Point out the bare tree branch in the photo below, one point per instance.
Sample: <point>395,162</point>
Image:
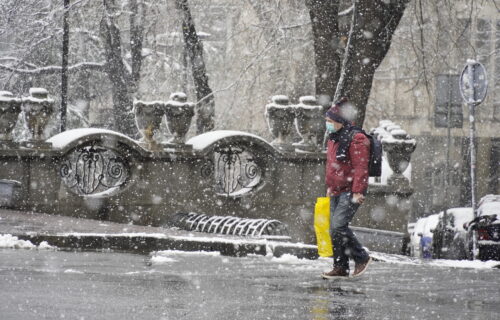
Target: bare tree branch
<point>82,66</point>
<point>137,12</point>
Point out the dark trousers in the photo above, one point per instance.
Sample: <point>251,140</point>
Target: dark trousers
<point>345,244</point>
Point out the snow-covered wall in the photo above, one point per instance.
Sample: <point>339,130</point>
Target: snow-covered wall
<point>101,174</point>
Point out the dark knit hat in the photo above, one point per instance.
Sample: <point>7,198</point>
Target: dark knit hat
<point>336,111</point>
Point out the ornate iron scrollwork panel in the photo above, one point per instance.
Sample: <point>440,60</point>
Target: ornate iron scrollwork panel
<point>235,170</point>
<point>93,170</point>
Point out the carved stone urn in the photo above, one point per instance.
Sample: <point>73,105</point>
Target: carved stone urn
<point>398,146</point>
<point>10,108</point>
<point>37,110</point>
<point>148,117</point>
<point>280,116</point>
<point>179,114</point>
<point>310,124</point>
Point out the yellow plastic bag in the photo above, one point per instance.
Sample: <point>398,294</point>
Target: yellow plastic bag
<point>322,226</point>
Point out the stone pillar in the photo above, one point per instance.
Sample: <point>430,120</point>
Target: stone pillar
<point>310,124</point>
<point>398,147</point>
<point>280,116</point>
<point>179,114</point>
<point>37,110</point>
<point>148,116</point>
<point>388,203</point>
<point>10,107</point>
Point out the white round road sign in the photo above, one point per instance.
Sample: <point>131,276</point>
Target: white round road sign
<point>474,82</point>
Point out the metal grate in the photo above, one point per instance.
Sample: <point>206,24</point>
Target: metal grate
<point>93,170</point>
<point>229,225</point>
<point>235,169</point>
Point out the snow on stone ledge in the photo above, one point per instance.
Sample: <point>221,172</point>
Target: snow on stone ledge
<point>7,96</point>
<point>280,98</point>
<point>178,95</point>
<point>106,235</point>
<point>38,91</point>
<point>204,140</point>
<point>149,103</point>
<point>13,242</point>
<point>389,132</point>
<point>64,139</point>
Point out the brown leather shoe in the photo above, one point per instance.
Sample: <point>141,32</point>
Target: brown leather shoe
<point>335,273</point>
<point>360,268</point>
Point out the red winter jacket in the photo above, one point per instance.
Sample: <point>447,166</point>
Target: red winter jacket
<point>351,175</point>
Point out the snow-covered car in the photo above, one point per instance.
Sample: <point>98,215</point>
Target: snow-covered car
<point>450,236</point>
<point>421,236</point>
<point>487,225</point>
<point>440,235</point>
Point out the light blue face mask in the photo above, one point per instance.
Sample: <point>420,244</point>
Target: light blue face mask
<point>330,127</point>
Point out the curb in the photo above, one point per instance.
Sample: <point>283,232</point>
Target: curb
<point>143,244</point>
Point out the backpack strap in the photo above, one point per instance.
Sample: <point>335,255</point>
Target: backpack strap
<point>354,132</point>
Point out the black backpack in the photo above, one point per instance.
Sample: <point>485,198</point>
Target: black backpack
<point>375,164</point>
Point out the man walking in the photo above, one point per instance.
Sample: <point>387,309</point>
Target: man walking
<point>348,156</point>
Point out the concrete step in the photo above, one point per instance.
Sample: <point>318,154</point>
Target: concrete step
<point>86,234</point>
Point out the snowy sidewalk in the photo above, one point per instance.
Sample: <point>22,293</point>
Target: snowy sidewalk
<point>86,234</point>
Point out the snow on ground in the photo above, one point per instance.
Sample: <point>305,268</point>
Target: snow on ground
<point>13,242</point>
<point>168,256</point>
<point>187,253</point>
<point>442,263</point>
<point>165,256</point>
<point>397,259</point>
<point>73,271</point>
<point>161,260</point>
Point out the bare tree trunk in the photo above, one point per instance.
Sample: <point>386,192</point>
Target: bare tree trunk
<point>64,66</point>
<point>327,47</point>
<point>82,83</point>
<point>137,12</point>
<point>373,24</point>
<point>206,104</point>
<point>123,83</point>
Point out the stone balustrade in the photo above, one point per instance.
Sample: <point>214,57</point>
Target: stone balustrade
<point>280,116</point>
<point>98,173</point>
<point>307,117</point>
<point>398,147</point>
<point>10,108</point>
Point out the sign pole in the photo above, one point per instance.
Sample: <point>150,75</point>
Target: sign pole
<point>474,88</point>
<point>447,171</point>
<point>472,130</point>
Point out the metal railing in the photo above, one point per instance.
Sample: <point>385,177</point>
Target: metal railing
<point>230,225</point>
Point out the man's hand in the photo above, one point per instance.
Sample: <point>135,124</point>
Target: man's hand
<point>358,198</point>
<point>328,192</point>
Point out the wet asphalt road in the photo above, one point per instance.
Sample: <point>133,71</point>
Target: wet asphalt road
<point>82,285</point>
